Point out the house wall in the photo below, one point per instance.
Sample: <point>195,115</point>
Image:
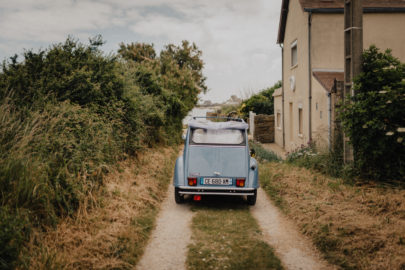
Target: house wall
<point>382,29</point>
<point>296,30</point>
<point>320,110</point>
<point>385,30</point>
<point>278,122</point>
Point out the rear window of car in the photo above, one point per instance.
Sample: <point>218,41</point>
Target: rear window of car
<point>217,136</point>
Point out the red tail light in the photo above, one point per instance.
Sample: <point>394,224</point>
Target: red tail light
<point>192,181</point>
<point>240,182</point>
<point>197,198</point>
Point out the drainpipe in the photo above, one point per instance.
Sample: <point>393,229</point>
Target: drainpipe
<point>282,91</point>
<point>309,76</point>
<point>329,120</point>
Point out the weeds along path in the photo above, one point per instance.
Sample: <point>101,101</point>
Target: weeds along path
<point>167,248</point>
<point>113,233</point>
<point>290,246</point>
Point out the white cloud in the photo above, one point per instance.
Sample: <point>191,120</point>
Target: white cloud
<point>237,37</point>
<point>54,21</point>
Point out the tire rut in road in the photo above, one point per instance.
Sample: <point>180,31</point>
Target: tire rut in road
<point>167,248</point>
<point>292,248</point>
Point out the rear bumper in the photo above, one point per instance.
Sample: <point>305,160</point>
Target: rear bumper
<point>227,191</point>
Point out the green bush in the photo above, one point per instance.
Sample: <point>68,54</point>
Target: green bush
<point>66,71</point>
<point>14,232</point>
<point>260,103</point>
<point>374,120</point>
<point>68,113</point>
<point>166,88</point>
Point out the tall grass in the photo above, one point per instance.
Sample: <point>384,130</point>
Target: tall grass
<point>49,162</point>
<point>327,161</point>
<point>262,153</point>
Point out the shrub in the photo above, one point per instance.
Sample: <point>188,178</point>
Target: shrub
<point>66,71</point>
<point>374,120</point>
<point>14,232</point>
<point>165,88</point>
<point>69,112</point>
<point>260,103</point>
<point>327,162</point>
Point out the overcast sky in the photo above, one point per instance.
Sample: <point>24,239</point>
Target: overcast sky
<point>237,37</point>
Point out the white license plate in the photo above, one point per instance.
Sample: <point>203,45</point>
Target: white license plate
<point>217,181</point>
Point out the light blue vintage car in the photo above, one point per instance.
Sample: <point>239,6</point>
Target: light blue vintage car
<point>216,161</point>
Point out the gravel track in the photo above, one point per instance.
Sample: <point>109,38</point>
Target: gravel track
<point>167,248</point>
<point>293,249</point>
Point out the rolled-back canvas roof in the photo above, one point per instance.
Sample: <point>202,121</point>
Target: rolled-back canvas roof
<point>206,124</point>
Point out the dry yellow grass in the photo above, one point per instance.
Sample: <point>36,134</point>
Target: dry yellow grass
<point>356,227</point>
<point>113,234</point>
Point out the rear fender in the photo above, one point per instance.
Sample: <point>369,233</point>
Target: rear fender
<point>253,173</point>
<point>178,178</point>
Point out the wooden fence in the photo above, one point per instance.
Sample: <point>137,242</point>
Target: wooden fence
<point>264,128</point>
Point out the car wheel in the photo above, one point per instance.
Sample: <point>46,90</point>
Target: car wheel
<point>177,197</point>
<point>251,199</point>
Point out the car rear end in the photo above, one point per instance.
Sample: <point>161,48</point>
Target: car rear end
<point>217,162</point>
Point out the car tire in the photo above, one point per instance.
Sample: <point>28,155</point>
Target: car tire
<point>251,199</point>
<point>177,197</point>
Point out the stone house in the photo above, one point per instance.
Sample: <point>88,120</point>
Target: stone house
<point>311,37</point>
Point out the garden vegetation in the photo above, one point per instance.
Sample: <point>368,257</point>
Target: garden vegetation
<point>373,119</point>
<point>69,113</point>
<point>260,103</point>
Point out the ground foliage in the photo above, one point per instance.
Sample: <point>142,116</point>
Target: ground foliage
<point>226,236</point>
<point>356,226</point>
<point>328,162</point>
<point>260,103</point>
<point>262,154</point>
<point>68,113</point>
<point>375,118</point>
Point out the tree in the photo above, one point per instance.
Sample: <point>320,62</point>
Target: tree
<point>260,103</point>
<point>137,52</point>
<point>171,81</point>
<point>66,71</point>
<point>374,120</point>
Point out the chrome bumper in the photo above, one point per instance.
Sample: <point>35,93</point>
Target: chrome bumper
<point>232,191</point>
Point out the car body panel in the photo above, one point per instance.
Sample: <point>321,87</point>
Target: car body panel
<point>220,161</point>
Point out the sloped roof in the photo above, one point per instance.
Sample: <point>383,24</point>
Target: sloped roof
<point>278,92</point>
<point>337,6</point>
<point>327,78</point>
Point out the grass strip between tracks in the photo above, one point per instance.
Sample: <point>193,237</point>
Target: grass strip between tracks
<point>226,236</point>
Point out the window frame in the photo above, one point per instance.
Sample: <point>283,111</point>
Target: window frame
<point>300,121</point>
<point>294,49</point>
<point>243,143</point>
<point>278,120</point>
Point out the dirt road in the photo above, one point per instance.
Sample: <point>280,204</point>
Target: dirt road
<point>290,246</point>
<point>167,249</point>
<point>168,246</point>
